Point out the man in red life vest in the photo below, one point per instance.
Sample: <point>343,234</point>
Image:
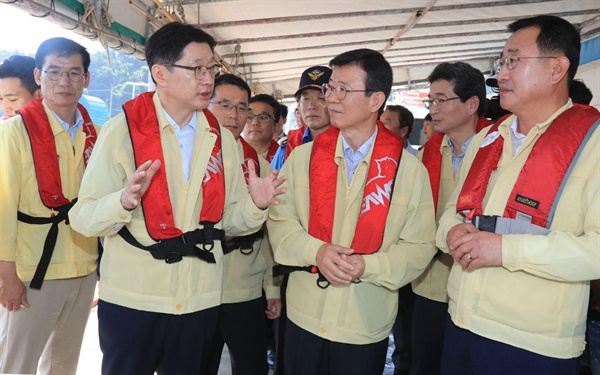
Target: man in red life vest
<point>47,276</point>
<point>165,188</point>
<point>455,123</point>
<point>312,110</point>
<point>248,268</point>
<point>522,224</point>
<point>263,116</point>
<point>356,224</point>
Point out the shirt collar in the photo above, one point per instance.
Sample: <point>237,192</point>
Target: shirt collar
<point>66,126</point>
<point>362,150</point>
<point>463,147</point>
<point>191,123</point>
<point>306,137</point>
<point>512,121</point>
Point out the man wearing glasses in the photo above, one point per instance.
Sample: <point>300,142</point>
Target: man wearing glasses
<point>263,116</point>
<point>248,267</point>
<point>47,276</point>
<point>522,224</point>
<point>356,224</point>
<point>165,188</point>
<point>456,103</point>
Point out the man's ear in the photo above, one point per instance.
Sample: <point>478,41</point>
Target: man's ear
<point>403,132</point>
<point>158,73</point>
<point>37,74</point>
<point>376,101</point>
<point>473,103</point>
<point>560,68</point>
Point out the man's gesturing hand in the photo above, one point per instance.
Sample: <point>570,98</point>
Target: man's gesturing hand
<point>138,184</point>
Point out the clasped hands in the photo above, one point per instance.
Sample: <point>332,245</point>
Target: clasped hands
<point>474,249</point>
<point>339,265</point>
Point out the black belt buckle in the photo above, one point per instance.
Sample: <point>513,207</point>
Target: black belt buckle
<point>173,258</point>
<point>487,223</point>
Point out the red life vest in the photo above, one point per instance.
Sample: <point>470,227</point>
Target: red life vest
<point>294,139</point>
<point>377,195</point>
<point>47,173</point>
<point>432,159</point>
<point>272,150</point>
<point>250,156</point>
<point>145,138</point>
<point>535,191</point>
<point>43,148</point>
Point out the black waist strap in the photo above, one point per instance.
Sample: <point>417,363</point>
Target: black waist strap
<point>62,214</point>
<point>174,249</point>
<point>244,243</point>
<point>280,270</point>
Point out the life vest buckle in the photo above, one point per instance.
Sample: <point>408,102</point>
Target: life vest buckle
<point>173,258</point>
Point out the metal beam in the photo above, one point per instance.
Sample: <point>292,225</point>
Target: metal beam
<point>380,28</point>
<point>381,12</point>
<point>420,47</point>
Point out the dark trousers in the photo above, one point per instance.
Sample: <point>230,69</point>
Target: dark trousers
<point>401,357</point>
<point>427,336</point>
<point>468,353</point>
<point>306,353</point>
<point>279,327</point>
<point>142,342</point>
<point>242,326</point>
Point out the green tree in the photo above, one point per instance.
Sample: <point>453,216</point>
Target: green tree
<point>110,82</point>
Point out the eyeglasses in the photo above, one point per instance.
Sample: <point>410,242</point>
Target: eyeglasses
<point>340,91</point>
<point>264,118</point>
<point>227,106</point>
<point>200,71</point>
<point>512,61</point>
<point>436,103</point>
<point>56,75</point>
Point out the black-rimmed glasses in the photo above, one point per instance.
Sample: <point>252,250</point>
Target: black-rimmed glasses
<point>227,106</point>
<point>200,71</point>
<point>437,103</point>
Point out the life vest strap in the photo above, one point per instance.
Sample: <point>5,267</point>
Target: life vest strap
<point>173,250</point>
<point>62,214</point>
<point>521,224</point>
<point>322,282</point>
<point>244,243</point>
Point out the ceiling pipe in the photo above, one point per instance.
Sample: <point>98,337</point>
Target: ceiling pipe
<point>114,41</point>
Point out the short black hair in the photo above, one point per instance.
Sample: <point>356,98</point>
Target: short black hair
<point>21,67</point>
<point>467,81</point>
<point>232,80</point>
<point>166,45</point>
<point>378,69</point>
<point>428,117</point>
<point>61,47</point>
<point>284,110</point>
<point>405,116</point>
<point>557,36</point>
<point>580,93</point>
<point>268,99</point>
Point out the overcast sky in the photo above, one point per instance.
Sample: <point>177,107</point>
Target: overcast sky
<point>22,32</point>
